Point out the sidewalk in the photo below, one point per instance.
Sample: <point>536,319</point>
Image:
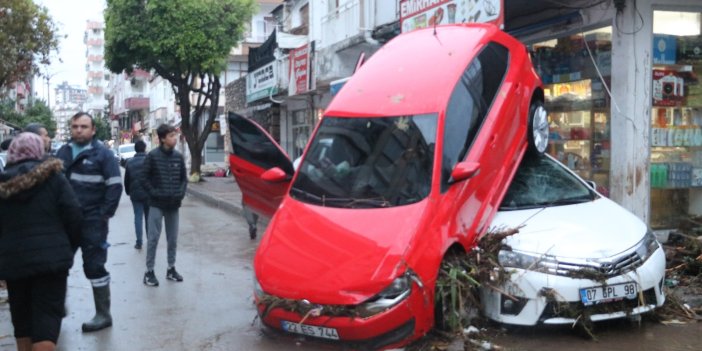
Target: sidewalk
<point>220,192</point>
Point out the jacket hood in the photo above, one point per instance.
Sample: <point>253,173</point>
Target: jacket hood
<point>19,180</point>
<point>335,255</point>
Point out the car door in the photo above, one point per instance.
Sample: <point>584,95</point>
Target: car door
<point>253,152</point>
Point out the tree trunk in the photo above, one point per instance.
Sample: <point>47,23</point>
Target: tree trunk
<point>195,158</point>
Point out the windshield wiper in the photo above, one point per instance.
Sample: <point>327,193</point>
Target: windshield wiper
<point>307,195</point>
<point>570,201</point>
<point>348,202</point>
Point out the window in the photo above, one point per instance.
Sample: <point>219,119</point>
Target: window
<point>301,129</point>
<point>469,104</point>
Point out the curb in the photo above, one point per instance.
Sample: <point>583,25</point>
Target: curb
<point>214,201</point>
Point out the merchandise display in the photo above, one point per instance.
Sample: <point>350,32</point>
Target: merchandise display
<point>577,101</point>
<point>676,130</point>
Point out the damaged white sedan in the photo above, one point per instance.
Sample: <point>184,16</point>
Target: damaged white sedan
<point>578,256</point>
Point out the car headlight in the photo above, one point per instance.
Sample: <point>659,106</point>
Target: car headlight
<point>647,246</point>
<point>515,259</point>
<point>393,294</point>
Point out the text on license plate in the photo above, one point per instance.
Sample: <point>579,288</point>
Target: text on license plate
<point>606,293</point>
<point>311,330</point>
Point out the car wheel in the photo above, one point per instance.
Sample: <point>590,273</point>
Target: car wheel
<point>538,127</point>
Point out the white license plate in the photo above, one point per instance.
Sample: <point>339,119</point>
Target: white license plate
<point>608,293</point>
<point>311,330</point>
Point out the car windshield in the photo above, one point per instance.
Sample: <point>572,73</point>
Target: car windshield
<point>542,182</point>
<point>126,148</point>
<point>368,162</point>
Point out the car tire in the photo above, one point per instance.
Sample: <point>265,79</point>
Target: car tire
<point>538,129</point>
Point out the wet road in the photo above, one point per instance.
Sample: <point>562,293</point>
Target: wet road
<point>213,310</point>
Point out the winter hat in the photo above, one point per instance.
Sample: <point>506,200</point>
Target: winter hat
<point>25,146</point>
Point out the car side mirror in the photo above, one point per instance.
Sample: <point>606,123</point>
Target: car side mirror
<point>274,175</point>
<point>464,170</point>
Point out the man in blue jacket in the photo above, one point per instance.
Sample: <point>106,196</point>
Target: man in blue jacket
<point>94,175</point>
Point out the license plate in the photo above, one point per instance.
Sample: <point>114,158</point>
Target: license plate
<point>608,293</point>
<point>310,330</point>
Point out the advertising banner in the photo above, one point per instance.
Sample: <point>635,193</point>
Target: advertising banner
<point>261,83</point>
<point>415,14</point>
<point>299,70</point>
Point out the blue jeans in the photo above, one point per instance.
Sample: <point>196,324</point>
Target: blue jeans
<point>141,219</point>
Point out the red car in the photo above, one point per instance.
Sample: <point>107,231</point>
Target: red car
<point>408,165</point>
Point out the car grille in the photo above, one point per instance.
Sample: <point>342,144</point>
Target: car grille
<point>605,268</point>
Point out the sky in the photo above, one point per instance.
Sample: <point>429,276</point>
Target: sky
<point>70,17</point>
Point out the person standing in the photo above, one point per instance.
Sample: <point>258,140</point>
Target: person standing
<point>135,189</point>
<point>94,174</point>
<point>165,181</point>
<point>40,223</point>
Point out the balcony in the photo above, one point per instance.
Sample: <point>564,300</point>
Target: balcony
<point>95,74</point>
<point>341,24</point>
<point>136,103</point>
<point>95,58</point>
<point>95,42</point>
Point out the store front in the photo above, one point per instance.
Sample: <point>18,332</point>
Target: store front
<point>574,69</point>
<point>676,118</point>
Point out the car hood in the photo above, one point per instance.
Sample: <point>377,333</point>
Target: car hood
<point>596,229</point>
<point>334,255</point>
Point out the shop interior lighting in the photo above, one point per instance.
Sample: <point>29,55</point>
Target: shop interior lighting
<point>677,23</point>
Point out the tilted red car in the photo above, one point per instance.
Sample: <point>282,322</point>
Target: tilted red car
<point>408,164</point>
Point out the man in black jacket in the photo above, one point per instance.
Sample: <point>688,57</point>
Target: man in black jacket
<point>165,181</point>
<point>94,175</point>
<point>135,189</point>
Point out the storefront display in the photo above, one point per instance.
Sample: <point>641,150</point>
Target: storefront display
<point>578,106</point>
<point>676,125</point>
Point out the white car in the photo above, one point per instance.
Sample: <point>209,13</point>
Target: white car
<point>125,151</point>
<point>577,253</point>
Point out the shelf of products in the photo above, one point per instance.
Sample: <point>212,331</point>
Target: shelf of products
<point>579,130</point>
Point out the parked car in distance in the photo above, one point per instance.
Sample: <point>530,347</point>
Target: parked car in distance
<point>125,152</point>
<point>577,255</point>
<point>409,163</point>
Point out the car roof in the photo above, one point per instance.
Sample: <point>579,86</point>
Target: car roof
<point>414,73</point>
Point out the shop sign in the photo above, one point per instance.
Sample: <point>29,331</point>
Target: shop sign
<point>664,49</point>
<point>689,48</point>
<point>261,83</point>
<point>299,70</point>
<point>668,88</point>
<point>415,14</point>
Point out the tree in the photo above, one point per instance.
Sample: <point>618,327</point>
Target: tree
<point>27,37</point>
<point>102,127</point>
<point>39,112</point>
<point>187,42</point>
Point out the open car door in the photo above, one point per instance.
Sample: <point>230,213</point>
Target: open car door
<point>255,152</point>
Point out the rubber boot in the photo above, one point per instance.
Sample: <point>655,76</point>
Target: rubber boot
<point>102,318</point>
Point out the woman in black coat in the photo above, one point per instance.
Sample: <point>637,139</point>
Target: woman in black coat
<point>39,231</point>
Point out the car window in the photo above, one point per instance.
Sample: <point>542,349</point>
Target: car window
<point>253,145</point>
<point>126,148</point>
<point>368,162</point>
<point>541,181</point>
<point>469,104</point>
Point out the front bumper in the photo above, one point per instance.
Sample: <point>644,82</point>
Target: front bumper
<point>394,327</point>
<point>552,299</point>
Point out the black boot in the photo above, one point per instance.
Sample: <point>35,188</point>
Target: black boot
<point>102,318</point>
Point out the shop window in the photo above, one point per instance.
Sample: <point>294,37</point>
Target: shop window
<point>676,119</point>
<point>575,70</point>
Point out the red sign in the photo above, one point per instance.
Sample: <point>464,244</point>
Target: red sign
<point>668,88</point>
<point>299,70</point>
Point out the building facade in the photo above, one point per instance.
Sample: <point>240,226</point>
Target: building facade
<point>97,75</point>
